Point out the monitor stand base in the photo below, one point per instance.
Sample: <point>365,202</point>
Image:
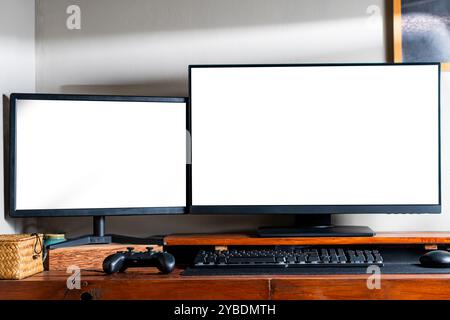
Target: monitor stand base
<point>315,226</point>
<point>99,237</point>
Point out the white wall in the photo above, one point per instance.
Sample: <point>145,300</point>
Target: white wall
<point>144,47</point>
<point>17,68</point>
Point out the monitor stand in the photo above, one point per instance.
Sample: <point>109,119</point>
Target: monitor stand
<point>317,225</point>
<point>99,237</point>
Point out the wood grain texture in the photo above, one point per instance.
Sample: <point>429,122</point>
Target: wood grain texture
<point>144,284</point>
<point>136,284</point>
<point>382,238</point>
<point>86,257</point>
<point>393,287</point>
<point>397,10</point>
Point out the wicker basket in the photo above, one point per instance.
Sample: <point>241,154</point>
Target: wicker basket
<point>20,255</point>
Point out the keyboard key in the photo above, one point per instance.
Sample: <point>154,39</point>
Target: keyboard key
<point>290,259</point>
<point>199,259</point>
<point>222,259</point>
<point>260,259</point>
<point>378,258</point>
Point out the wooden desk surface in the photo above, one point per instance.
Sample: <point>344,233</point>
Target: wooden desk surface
<point>381,238</point>
<point>145,284</point>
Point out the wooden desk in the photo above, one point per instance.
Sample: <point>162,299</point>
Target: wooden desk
<point>249,239</point>
<point>146,283</point>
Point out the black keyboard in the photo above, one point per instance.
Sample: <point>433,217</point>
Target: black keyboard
<point>290,257</point>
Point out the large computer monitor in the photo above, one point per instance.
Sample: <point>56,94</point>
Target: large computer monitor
<point>78,155</point>
<point>315,140</point>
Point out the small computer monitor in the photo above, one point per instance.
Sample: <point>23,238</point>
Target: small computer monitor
<point>73,155</point>
<point>315,139</point>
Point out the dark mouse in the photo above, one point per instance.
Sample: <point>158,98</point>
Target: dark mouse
<point>436,259</point>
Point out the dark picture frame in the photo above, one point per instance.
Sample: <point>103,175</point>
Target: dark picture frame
<point>422,31</point>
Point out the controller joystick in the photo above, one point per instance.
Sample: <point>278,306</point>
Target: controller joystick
<point>122,260</point>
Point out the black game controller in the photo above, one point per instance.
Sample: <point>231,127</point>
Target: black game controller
<point>122,260</point>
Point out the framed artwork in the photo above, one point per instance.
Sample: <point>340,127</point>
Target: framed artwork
<point>422,31</point>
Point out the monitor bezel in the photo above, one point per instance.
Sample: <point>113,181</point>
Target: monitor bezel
<point>317,209</point>
<point>75,212</point>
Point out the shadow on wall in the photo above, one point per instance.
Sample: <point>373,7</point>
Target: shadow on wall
<point>144,47</point>
<point>140,16</point>
<point>142,226</point>
<point>176,87</point>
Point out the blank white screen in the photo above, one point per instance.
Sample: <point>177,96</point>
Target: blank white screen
<point>353,135</point>
<point>100,154</point>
